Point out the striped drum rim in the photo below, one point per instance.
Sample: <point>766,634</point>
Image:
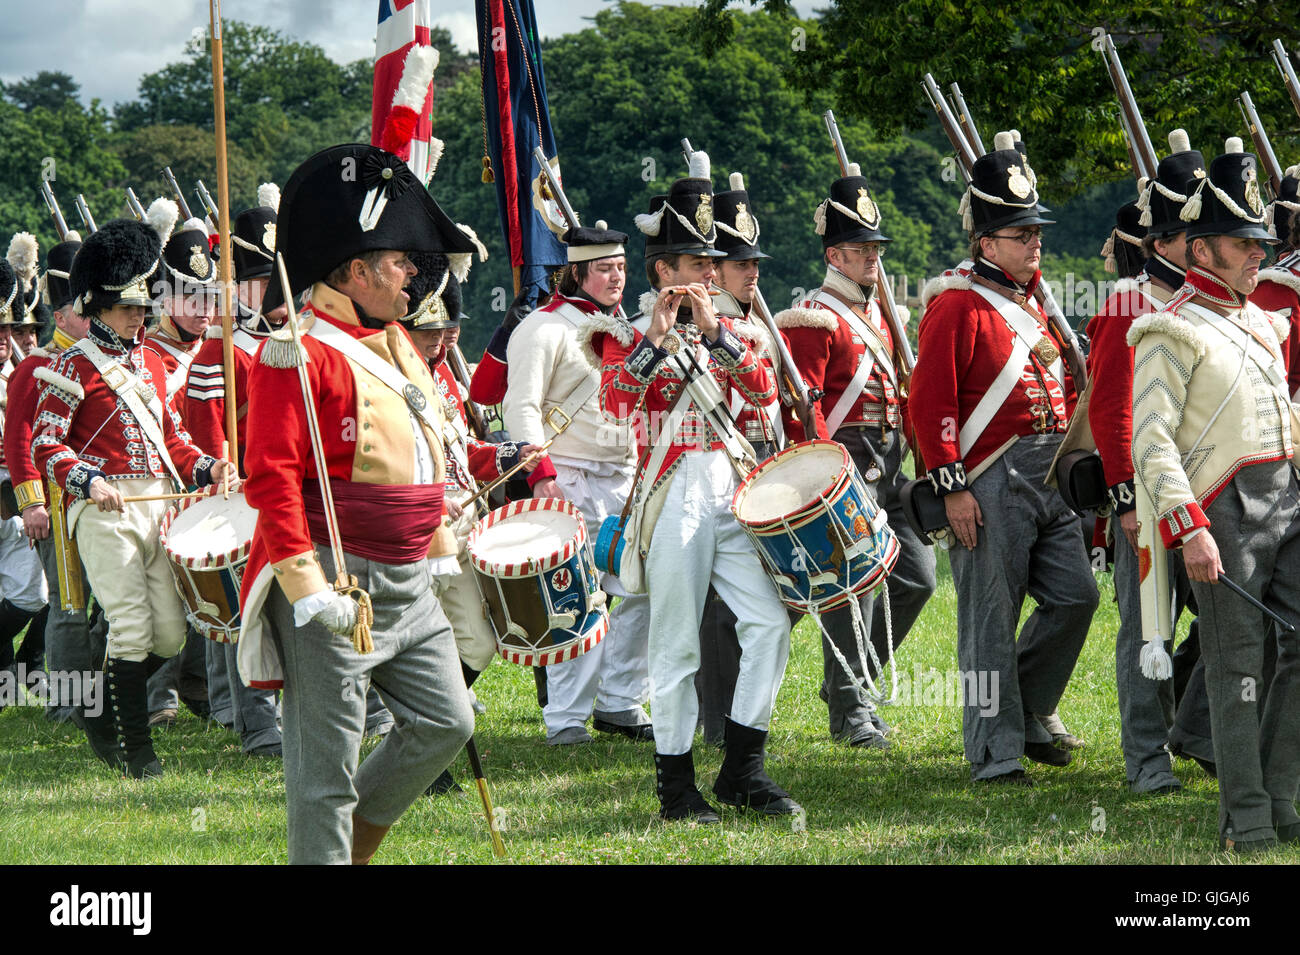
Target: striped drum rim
<point>532,566</point>
<point>561,654</point>
<point>813,507</point>
<point>208,561</point>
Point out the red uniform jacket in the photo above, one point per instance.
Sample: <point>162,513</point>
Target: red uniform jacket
<point>205,390</point>
<point>20,412</point>
<point>1279,291</point>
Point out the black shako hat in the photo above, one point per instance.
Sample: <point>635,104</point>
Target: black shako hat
<point>1003,190</point>
<point>850,214</point>
<point>187,262</point>
<point>1227,201</point>
<point>681,223</point>
<point>58,265</point>
<point>23,258</point>
<point>351,199</point>
<point>435,293</point>
<point>1161,199</point>
<point>588,245</point>
<point>1125,241</point>
<point>252,235</point>
<point>114,264</point>
<point>733,215</point>
<point>1283,209</point>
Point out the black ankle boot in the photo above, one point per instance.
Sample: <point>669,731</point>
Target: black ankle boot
<point>678,797</point>
<point>12,621</point>
<point>742,782</point>
<point>100,728</point>
<point>127,680</point>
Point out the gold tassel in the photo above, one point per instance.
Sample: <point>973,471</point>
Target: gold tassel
<point>487,170</point>
<point>362,641</point>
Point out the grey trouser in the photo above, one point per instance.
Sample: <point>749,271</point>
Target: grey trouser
<point>1030,544</point>
<point>910,584</point>
<point>70,645</point>
<point>1255,521</point>
<point>416,669</point>
<point>220,703</point>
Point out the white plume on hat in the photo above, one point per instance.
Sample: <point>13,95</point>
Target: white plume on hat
<point>23,256</point>
<point>1004,140</point>
<point>436,147</point>
<point>72,235</point>
<point>417,74</point>
<point>853,169</point>
<point>268,194</point>
<point>193,222</point>
<point>161,216</point>
<point>1179,141</point>
<point>460,262</point>
<point>1233,144</point>
<point>699,166</point>
<point>736,180</point>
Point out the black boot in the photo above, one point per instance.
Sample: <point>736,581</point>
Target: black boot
<point>678,797</point>
<point>127,680</point>
<point>100,728</point>
<point>12,621</point>
<point>741,781</point>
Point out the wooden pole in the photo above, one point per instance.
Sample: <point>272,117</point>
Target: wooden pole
<point>223,230</point>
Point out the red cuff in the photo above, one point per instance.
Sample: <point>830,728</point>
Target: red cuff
<point>545,469</point>
<point>1180,522</point>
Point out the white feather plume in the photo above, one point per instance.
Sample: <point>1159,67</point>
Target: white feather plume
<point>436,146</point>
<point>161,216</point>
<point>72,235</point>
<point>268,194</point>
<point>194,222</point>
<point>854,169</point>
<point>23,255</point>
<point>417,74</point>
<point>461,262</point>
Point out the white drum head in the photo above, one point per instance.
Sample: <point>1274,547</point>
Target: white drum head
<point>789,484</point>
<point>211,526</point>
<point>529,535</point>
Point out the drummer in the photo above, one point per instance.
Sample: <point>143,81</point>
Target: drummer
<point>696,541</point>
<point>846,353</point>
<point>101,440</point>
<point>434,310</point>
<point>551,379</point>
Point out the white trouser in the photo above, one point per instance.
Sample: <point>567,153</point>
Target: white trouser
<point>697,542</point>
<point>22,578</point>
<point>130,574</point>
<point>614,672</point>
<point>459,596</point>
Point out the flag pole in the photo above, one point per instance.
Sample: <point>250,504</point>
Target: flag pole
<point>223,231</point>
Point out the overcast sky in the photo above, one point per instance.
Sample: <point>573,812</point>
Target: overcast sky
<point>108,45</point>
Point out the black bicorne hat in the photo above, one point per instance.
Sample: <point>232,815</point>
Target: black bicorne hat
<point>850,214</point>
<point>1003,190</point>
<point>1283,209</point>
<point>114,264</point>
<point>435,293</point>
<point>1162,199</point>
<point>681,223</point>
<point>1227,201</point>
<point>737,225</point>
<point>588,245</point>
<point>58,265</point>
<point>253,233</point>
<point>351,199</point>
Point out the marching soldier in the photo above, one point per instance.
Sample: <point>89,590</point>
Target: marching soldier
<point>252,712</point>
<point>345,240</point>
<point>845,351</point>
<point>692,538</point>
<point>1213,444</point>
<point>997,399</point>
<point>594,470</point>
<point>1279,285</point>
<point>105,431</point>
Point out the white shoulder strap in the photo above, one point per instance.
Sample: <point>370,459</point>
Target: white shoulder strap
<point>1022,323</point>
<point>1267,362</point>
<point>995,397</point>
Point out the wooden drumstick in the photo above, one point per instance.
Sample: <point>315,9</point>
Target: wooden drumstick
<point>138,498</point>
<point>523,462</point>
<point>225,476</point>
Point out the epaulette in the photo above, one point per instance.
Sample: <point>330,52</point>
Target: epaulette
<point>602,324</point>
<point>1168,323</point>
<point>280,350</point>
<point>51,377</point>
<point>806,318</point>
<point>943,283</point>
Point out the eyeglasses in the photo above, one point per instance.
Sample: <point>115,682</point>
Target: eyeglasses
<point>1024,237</point>
<point>866,251</point>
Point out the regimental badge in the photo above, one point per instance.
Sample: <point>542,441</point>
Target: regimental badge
<point>704,215</point>
<point>414,396</point>
<point>1252,190</point>
<point>672,343</point>
<point>1046,350</point>
<point>268,237</point>
<point>1198,173</point>
<point>1018,182</point>
<point>199,265</point>
<point>745,224</point>
<point>561,580</point>
<point>867,210</point>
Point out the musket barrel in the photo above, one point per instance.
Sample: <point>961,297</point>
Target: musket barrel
<point>1119,79</point>
<point>1283,61</point>
<point>1262,145</point>
<point>60,224</point>
<point>133,201</point>
<point>967,122</point>
<point>556,190</point>
<point>180,195</point>
<point>83,210</point>
<point>963,148</point>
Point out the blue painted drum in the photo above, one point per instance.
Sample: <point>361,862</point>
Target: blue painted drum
<point>539,585</point>
<point>819,531</point>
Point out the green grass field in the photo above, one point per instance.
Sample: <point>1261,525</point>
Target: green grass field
<point>596,803</point>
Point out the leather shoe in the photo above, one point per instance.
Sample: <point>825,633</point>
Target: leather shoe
<point>1017,777</point>
<point>643,733</point>
<point>1049,754</point>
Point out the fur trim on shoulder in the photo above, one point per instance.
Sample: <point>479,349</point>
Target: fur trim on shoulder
<point>755,333</point>
<point>1127,286</point>
<point>1281,277</point>
<point>1170,324</point>
<point>602,324</point>
<point>807,318</point>
<point>214,331</point>
<point>942,283</point>
<point>646,303</point>
<point>1281,323</point>
<point>39,352</point>
<point>51,377</point>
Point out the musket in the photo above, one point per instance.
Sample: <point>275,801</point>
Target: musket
<point>1142,147</point>
<point>60,224</point>
<point>1262,146</point>
<point>964,117</point>
<point>460,371</point>
<point>1283,61</point>
<point>209,204</point>
<point>133,201</point>
<point>888,310</point>
<point>1140,171</point>
<point>83,210</point>
<point>1042,294</point>
<point>176,191</point>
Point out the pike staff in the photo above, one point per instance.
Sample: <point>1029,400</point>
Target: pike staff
<point>227,265</point>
